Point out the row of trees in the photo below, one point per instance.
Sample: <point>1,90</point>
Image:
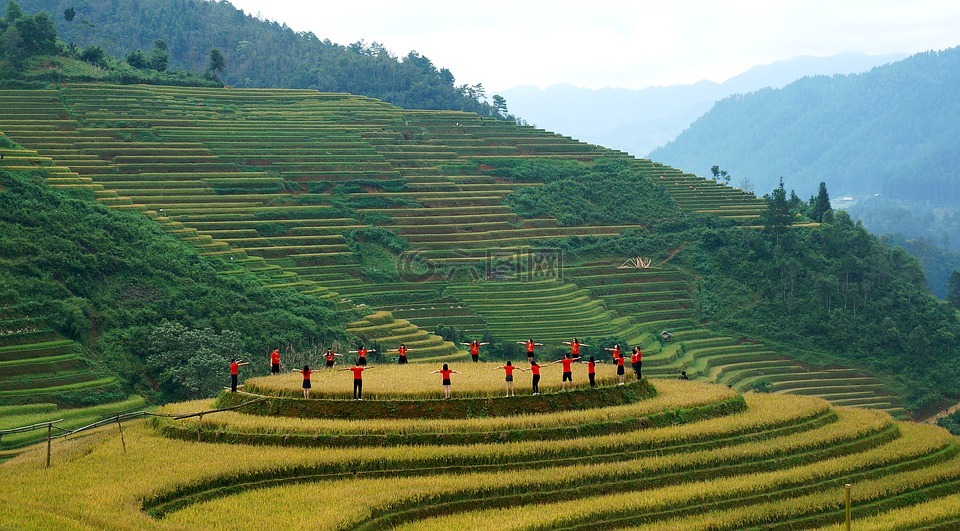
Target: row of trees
<point>23,36</point>
<point>259,53</point>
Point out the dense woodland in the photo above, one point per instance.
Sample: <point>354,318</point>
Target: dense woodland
<point>109,279</point>
<point>260,53</point>
<point>886,137</point>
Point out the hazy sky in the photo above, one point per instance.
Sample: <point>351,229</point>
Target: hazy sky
<point>629,44</point>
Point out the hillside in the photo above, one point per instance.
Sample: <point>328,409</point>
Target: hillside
<point>446,222</point>
<point>637,121</point>
<point>663,455</point>
<point>259,53</point>
<point>888,131</point>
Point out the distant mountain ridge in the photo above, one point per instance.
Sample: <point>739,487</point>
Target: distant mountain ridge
<point>637,121</point>
<point>891,131</point>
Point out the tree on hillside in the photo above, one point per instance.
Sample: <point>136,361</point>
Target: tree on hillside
<point>500,104</point>
<point>715,170</point>
<point>69,14</point>
<point>777,216</point>
<point>159,58</point>
<point>820,204</point>
<point>190,361</point>
<point>953,289</point>
<point>13,12</point>
<point>217,62</point>
<point>136,59</point>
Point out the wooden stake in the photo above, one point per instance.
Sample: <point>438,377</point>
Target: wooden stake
<point>49,438</point>
<point>846,497</point>
<point>123,442</point>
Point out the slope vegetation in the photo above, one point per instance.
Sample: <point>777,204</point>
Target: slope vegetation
<point>442,217</point>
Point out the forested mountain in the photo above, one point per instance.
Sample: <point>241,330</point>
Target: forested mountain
<point>259,53</point>
<point>638,121</point>
<point>891,131</point>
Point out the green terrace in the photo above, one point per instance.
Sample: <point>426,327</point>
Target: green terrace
<point>38,366</point>
<point>249,175</point>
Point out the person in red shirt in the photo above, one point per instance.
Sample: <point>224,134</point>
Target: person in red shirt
<point>362,355</point>
<point>567,362</point>
<point>530,346</point>
<point>402,354</point>
<point>618,358</point>
<point>636,360</point>
<point>445,373</point>
<point>275,361</point>
<point>592,371</point>
<point>535,369</point>
<point>475,349</point>
<point>575,347</point>
<point>358,379</point>
<point>234,373</point>
<point>330,357</point>
<point>305,371</point>
<point>508,369</point>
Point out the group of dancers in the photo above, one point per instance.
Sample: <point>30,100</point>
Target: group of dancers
<point>636,361</point>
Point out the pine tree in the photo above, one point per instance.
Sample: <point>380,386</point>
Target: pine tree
<point>821,204</point>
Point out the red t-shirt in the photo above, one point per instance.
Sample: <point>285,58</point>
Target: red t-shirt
<point>636,357</point>
<point>616,353</point>
<point>591,367</point>
<point>535,369</point>
<point>357,372</point>
<point>362,353</point>
<point>234,367</point>
<point>620,361</point>
<point>402,351</point>
<point>566,364</point>
<point>329,356</point>
<point>530,345</point>
<point>275,357</point>
<point>474,349</point>
<point>305,373</point>
<point>575,349</point>
<point>509,369</point>
<point>446,374</point>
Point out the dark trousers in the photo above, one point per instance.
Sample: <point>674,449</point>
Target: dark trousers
<point>536,383</point>
<point>362,362</point>
<point>636,368</point>
<point>593,379</point>
<point>275,368</point>
<point>402,360</point>
<point>233,383</point>
<point>357,389</point>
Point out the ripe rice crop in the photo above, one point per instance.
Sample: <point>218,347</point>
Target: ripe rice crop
<point>414,380</point>
<point>672,396</point>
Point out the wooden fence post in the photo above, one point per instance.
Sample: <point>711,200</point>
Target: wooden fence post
<point>122,441</point>
<point>49,438</point>
<point>846,497</point>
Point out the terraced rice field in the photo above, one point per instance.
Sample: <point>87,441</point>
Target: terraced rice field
<point>39,366</point>
<point>692,456</point>
<point>275,181</point>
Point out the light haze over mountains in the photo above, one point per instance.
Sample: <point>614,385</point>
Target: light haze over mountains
<point>637,121</point>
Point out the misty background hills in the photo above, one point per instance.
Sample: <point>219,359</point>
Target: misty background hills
<point>637,121</point>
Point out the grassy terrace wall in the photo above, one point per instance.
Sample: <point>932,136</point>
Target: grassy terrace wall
<point>694,456</point>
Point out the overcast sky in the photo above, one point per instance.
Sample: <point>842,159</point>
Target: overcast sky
<point>627,44</point>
